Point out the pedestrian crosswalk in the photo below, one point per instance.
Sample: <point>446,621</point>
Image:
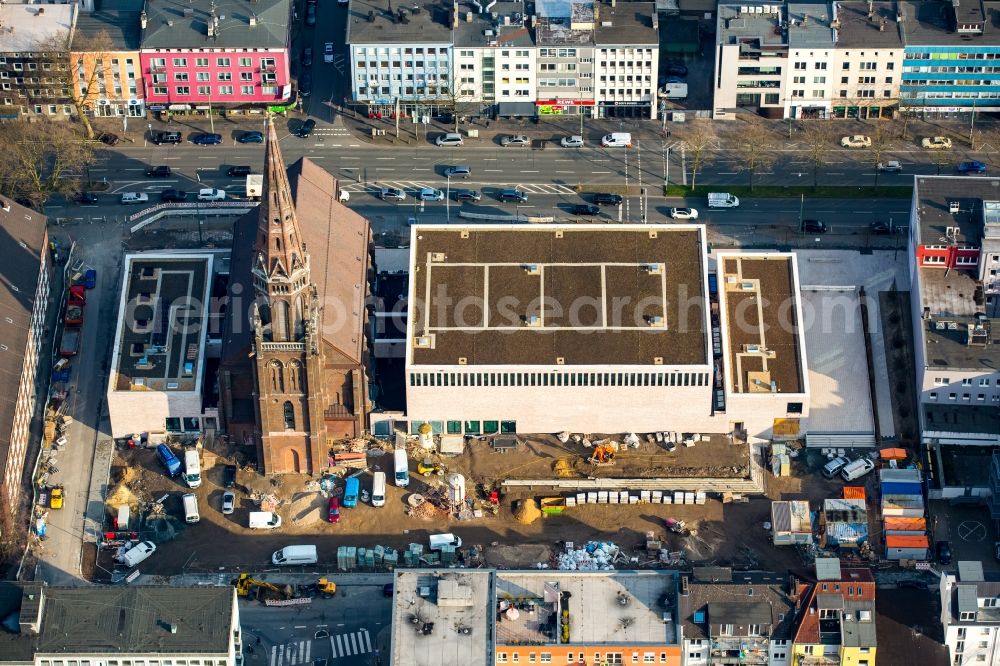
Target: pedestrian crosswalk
<point>291,654</point>
<point>347,645</point>
<point>412,186</point>
<point>300,653</point>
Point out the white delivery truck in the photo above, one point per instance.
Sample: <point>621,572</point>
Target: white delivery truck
<point>192,468</point>
<point>378,489</point>
<point>292,555</point>
<point>401,468</point>
<point>722,200</point>
<point>264,520</point>
<point>673,91</point>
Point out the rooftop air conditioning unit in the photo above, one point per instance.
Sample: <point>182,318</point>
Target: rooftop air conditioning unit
<point>531,269</point>
<point>438,256</point>
<point>655,321</point>
<point>533,321</point>
<point>654,269</point>
<point>751,349</point>
<point>424,341</point>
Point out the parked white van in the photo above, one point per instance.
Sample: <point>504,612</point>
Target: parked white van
<point>378,489</point>
<point>138,553</point>
<point>192,468</point>
<point>857,469</point>
<point>191,514</point>
<point>264,520</point>
<point>401,468</point>
<point>449,139</point>
<point>438,540</point>
<point>295,555</point>
<point>617,140</point>
<point>134,197</point>
<point>722,200</point>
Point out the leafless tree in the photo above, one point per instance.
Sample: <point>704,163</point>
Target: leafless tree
<point>42,159</point>
<point>698,139</point>
<point>879,147</point>
<point>820,139</point>
<point>78,68</point>
<point>754,149</point>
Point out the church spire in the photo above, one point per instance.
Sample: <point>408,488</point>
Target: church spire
<point>279,239</point>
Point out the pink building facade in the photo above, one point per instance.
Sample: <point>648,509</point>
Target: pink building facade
<point>196,79</point>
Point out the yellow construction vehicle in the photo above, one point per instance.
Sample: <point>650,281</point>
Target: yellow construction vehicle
<point>326,587</point>
<point>247,586</point>
<point>427,467</point>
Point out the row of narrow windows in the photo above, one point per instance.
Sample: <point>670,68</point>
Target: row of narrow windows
<point>559,379</point>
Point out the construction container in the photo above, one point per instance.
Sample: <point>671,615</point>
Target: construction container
<point>553,505</point>
<point>906,547</point>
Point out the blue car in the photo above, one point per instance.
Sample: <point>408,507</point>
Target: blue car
<point>251,137</point>
<point>972,166</point>
<point>207,139</point>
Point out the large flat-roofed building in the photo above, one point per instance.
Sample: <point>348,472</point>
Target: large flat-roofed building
<point>157,374</point>
<point>525,329</point>
<point>954,232</point>
<point>766,382</point>
<point>26,275</point>
<point>157,626</point>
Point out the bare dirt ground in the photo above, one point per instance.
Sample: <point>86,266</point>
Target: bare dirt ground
<point>726,534</point>
<point>536,458</point>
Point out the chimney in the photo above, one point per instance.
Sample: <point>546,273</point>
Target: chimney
<point>41,10</point>
<point>142,19</point>
<point>684,586</point>
<point>656,20</point>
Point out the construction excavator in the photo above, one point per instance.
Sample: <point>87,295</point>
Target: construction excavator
<point>247,586</point>
<point>603,456</point>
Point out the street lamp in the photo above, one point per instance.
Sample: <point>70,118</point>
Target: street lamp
<point>447,197</point>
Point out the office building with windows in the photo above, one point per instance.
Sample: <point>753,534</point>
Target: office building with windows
<point>34,58</point>
<point>104,59</point>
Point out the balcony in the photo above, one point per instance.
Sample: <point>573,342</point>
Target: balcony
<point>739,650</point>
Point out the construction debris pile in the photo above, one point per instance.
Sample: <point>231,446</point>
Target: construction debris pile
<point>593,556</point>
<point>266,501</point>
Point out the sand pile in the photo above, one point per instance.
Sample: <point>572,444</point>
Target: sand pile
<point>121,495</point>
<point>526,512</point>
<point>562,468</point>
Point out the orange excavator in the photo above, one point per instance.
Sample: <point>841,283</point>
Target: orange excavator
<point>603,456</point>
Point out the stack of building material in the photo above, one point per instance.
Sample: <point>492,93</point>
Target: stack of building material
<point>904,525</point>
<point>791,523</point>
<point>846,522</point>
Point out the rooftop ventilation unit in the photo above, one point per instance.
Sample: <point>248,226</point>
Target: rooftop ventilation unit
<point>954,207</point>
<point>751,349</point>
<point>654,269</point>
<point>746,286</point>
<point>532,320</point>
<point>531,269</point>
<point>424,342</point>
<point>438,256</point>
<point>655,321</point>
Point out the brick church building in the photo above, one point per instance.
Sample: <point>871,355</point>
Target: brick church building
<point>294,370</point>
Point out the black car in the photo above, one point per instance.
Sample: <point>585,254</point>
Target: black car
<point>229,476</point>
<point>513,195</point>
<point>444,118</point>
<point>86,198</point>
<point>912,584</point>
<point>465,195</point>
<point>880,227</point>
<point>585,209</point>
<point>306,84</point>
<point>814,226</point>
<point>675,69</point>
<point>607,199</point>
<point>173,195</point>
<point>237,171</point>
<point>158,172</point>
<point>251,137</point>
<point>310,15</point>
<point>942,549</point>
<point>387,590</point>
<point>306,128</point>
<point>109,139</point>
<point>307,56</point>
<point>206,139</point>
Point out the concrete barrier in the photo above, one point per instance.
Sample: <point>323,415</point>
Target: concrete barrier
<point>491,217</point>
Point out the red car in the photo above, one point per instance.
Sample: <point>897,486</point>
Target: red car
<point>333,512</point>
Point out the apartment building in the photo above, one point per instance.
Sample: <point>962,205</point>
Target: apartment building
<point>954,231</point>
<point>401,60</point>
<point>731,617</point>
<point>104,59</point>
<point>27,273</point>
<point>835,625</point>
<point>156,626</point>
<point>952,56</point>
<point>570,57</point>
<point>970,615</point>
<point>808,59</point>
<point>200,55</point>
<point>34,59</point>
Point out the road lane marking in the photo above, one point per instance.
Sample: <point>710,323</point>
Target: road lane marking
<point>600,172</point>
<point>385,158</point>
<point>368,643</point>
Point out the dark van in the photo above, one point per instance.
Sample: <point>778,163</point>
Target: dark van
<point>166,137</point>
<point>168,460</point>
<point>239,171</point>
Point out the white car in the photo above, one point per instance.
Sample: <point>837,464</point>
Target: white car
<point>856,141</point>
<point>684,213</point>
<point>228,502</point>
<point>936,143</point>
<point>328,52</point>
<point>572,142</point>
<point>134,197</point>
<point>209,194</point>
<point>430,194</point>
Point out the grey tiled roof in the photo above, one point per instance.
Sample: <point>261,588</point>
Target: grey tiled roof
<point>168,26</point>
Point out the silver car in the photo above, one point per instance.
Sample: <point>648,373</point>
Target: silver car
<point>387,193</point>
<point>228,502</point>
<point>514,140</point>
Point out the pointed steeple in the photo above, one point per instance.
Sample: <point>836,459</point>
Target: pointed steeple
<point>279,239</point>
